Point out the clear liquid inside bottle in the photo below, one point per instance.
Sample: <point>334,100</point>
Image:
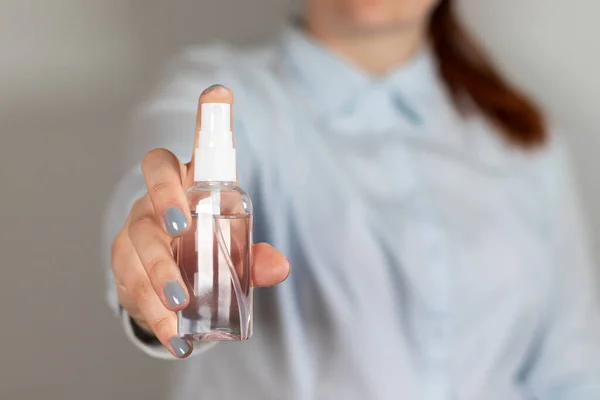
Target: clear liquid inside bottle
<point>214,257</point>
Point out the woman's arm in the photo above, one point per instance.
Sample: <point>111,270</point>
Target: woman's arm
<point>166,122</point>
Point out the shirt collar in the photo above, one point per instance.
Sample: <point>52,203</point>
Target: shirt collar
<point>335,85</point>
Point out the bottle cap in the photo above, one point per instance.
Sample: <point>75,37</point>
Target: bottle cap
<point>215,155</point>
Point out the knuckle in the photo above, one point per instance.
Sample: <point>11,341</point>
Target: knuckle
<point>138,204</point>
<point>140,208</point>
<point>157,266</point>
<point>142,224</point>
<point>151,158</point>
<point>163,326</point>
<point>163,192</point>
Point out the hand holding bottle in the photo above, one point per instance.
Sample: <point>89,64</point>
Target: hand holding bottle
<point>149,283</point>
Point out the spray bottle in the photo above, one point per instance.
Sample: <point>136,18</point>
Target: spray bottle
<point>214,256</point>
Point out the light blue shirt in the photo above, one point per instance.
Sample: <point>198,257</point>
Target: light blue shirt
<point>430,259</point>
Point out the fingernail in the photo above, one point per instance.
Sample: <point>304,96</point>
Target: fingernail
<point>174,293</point>
<point>212,87</point>
<point>175,221</point>
<point>180,346</point>
<point>289,271</point>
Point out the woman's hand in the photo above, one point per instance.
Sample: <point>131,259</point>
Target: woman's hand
<point>149,285</point>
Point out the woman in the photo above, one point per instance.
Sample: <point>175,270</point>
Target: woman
<point>428,212</point>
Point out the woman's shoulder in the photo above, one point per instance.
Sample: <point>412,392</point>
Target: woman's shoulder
<point>551,158</point>
<point>493,149</point>
<point>550,168</point>
<point>545,166</point>
<point>555,164</point>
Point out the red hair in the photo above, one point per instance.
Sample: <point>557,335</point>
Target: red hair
<point>469,75</point>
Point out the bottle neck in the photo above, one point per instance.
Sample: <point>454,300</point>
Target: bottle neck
<point>215,184</point>
<point>215,164</point>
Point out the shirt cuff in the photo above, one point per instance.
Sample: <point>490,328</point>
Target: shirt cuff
<point>150,344</point>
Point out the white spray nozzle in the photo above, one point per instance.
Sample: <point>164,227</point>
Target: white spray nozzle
<point>216,117</point>
<point>215,155</point>
<point>215,126</point>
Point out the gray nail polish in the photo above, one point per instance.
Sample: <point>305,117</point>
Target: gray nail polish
<point>174,293</point>
<point>212,87</point>
<point>175,221</point>
<point>180,346</point>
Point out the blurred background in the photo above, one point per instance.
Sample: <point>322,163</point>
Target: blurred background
<point>71,71</point>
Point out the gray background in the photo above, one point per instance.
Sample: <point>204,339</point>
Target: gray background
<point>71,71</point>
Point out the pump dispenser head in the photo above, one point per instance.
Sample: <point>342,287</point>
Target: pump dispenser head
<point>215,156</point>
<point>216,118</point>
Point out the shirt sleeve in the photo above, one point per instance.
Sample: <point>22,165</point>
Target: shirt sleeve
<point>568,364</point>
<point>167,120</point>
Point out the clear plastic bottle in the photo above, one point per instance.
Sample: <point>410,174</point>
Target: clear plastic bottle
<point>214,256</point>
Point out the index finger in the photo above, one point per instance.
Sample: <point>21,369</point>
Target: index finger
<point>162,173</point>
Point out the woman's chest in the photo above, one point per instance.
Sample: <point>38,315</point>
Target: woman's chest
<point>391,216</point>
